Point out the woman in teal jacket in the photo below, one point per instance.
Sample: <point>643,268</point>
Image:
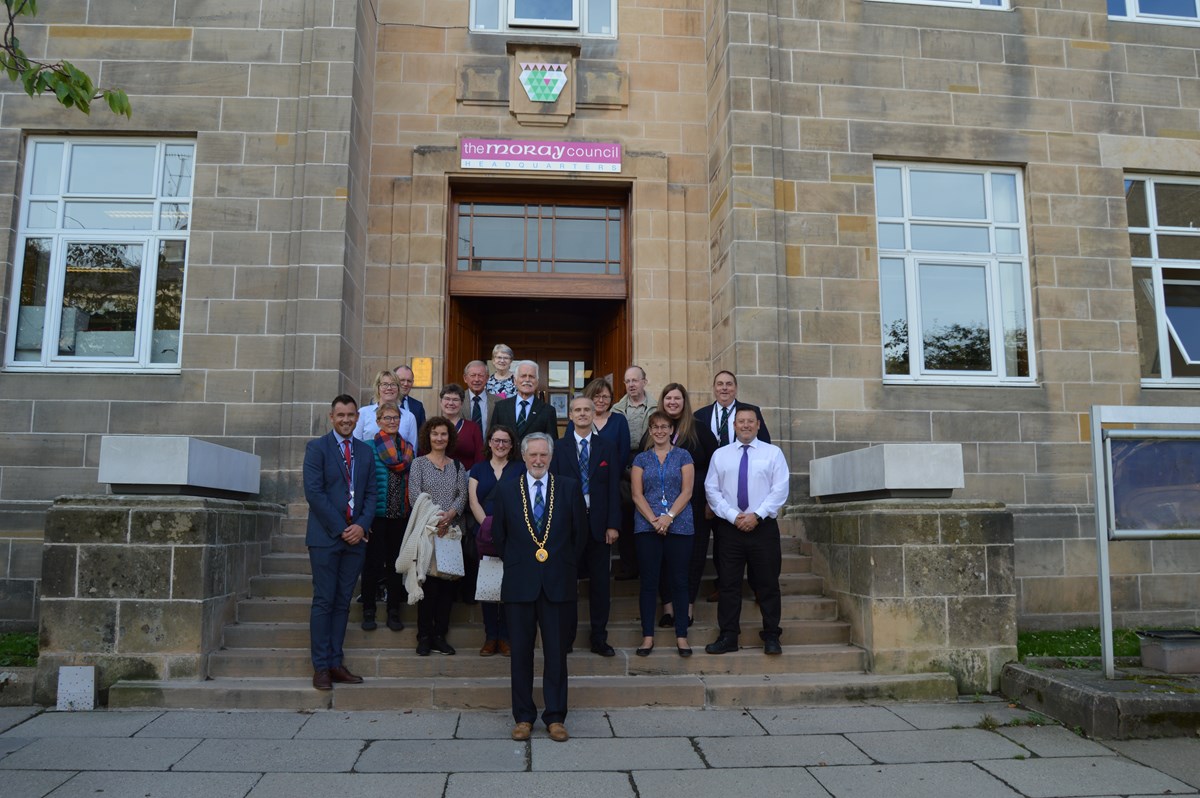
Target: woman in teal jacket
<point>393,456</point>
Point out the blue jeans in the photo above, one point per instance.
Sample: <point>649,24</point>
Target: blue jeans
<point>652,550</point>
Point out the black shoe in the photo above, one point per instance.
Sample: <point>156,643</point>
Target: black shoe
<point>423,647</point>
<point>394,623</point>
<point>603,649</point>
<point>440,645</point>
<point>667,621</point>
<point>644,652</point>
<point>368,621</point>
<point>722,645</point>
<point>771,645</point>
<point>684,652</point>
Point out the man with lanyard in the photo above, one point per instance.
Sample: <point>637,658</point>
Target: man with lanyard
<point>746,486</point>
<point>339,484</point>
<point>636,406</point>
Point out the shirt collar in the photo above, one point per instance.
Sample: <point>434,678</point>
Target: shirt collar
<point>578,438</point>
<point>530,479</point>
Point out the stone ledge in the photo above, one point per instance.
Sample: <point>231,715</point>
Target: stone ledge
<point>161,463</point>
<point>1139,704</point>
<point>889,469</point>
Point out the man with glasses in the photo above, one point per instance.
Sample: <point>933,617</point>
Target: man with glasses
<point>404,376</point>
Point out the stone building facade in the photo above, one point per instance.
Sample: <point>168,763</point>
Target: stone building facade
<point>895,221</point>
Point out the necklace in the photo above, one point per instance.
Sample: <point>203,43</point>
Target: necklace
<point>541,555</point>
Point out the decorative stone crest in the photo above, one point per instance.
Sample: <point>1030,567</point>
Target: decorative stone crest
<point>543,82</point>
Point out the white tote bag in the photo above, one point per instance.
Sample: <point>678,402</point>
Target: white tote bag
<point>491,575</point>
<point>448,557</point>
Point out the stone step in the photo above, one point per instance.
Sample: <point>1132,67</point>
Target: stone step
<point>300,585</point>
<point>627,634</point>
<point>605,692</point>
<point>374,662</point>
<point>289,563</point>
<point>295,609</point>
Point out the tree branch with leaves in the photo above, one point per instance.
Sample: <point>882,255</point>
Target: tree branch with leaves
<point>71,86</point>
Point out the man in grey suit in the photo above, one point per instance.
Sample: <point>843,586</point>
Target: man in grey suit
<point>339,484</point>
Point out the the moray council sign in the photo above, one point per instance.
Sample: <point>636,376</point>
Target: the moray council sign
<point>556,156</point>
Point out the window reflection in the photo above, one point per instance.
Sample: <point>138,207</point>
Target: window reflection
<point>540,238</point>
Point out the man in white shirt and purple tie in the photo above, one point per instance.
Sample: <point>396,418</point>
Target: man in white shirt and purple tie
<point>746,486</point>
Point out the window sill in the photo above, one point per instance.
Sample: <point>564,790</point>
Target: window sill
<point>92,368</point>
<point>1185,22</point>
<point>1168,384</point>
<point>960,383</point>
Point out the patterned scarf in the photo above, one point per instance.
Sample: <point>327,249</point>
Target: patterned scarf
<point>395,459</point>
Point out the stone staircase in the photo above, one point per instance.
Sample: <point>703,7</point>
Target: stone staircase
<point>264,660</point>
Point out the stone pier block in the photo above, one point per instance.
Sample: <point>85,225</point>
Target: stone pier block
<point>926,585</point>
<point>890,469</point>
<point>161,464</point>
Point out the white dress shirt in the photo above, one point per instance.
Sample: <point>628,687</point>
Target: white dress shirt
<point>530,491</point>
<point>368,425</point>
<point>587,497</point>
<point>767,480</point>
<point>715,425</point>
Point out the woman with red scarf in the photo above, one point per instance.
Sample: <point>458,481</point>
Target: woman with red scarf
<point>393,456</point>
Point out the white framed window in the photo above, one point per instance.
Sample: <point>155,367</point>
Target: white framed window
<point>1164,240</point>
<point>995,4</point>
<point>953,275</point>
<point>546,17</point>
<point>101,255</point>
<point>1172,12</point>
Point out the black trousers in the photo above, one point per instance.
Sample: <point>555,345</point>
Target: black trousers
<point>382,549</point>
<point>594,566</point>
<point>759,552</point>
<point>555,620</point>
<point>433,611</point>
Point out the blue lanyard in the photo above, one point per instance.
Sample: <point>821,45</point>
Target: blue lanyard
<point>662,478</point>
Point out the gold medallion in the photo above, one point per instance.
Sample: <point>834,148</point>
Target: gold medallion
<point>541,555</point>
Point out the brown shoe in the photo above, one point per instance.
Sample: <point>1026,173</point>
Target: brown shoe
<point>339,674</point>
<point>503,648</point>
<point>522,731</point>
<point>489,648</point>
<point>322,680</point>
<point>558,732</point>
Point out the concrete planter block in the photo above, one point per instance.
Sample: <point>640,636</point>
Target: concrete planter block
<point>162,464</point>
<point>889,470</point>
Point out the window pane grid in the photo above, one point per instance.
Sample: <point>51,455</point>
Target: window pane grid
<point>954,281</point>
<point>101,283</point>
<point>1164,242</point>
<point>539,238</point>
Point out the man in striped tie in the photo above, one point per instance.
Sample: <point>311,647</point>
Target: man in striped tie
<point>525,412</point>
<point>746,486</point>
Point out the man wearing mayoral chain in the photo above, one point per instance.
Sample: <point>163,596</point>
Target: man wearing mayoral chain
<point>540,528</point>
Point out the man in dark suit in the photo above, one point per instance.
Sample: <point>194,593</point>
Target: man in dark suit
<point>404,377</point>
<point>539,528</point>
<point>584,456</point>
<point>339,484</point>
<point>525,412</point>
<point>718,417</point>
<point>477,405</point>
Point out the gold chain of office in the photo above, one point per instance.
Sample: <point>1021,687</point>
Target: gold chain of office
<point>541,555</point>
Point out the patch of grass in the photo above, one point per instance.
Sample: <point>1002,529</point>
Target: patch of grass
<point>987,723</point>
<point>1075,643</point>
<point>18,649</point>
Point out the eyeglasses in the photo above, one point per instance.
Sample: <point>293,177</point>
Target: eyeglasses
<point>501,442</point>
<point>389,418</point>
<point>661,428</point>
<point>383,385</point>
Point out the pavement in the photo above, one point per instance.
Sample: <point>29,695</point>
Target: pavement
<point>953,750</point>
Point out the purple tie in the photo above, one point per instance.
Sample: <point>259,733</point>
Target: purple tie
<point>744,479</point>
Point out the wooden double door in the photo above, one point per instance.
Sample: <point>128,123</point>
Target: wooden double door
<point>572,340</point>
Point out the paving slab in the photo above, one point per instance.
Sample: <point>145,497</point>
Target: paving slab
<point>684,723</point>
<point>792,782</point>
<point>925,780</point>
<point>158,785</point>
<point>10,744</point>
<point>100,723</point>
<point>538,785</point>
<point>828,720</point>
<point>413,725</point>
<point>1053,741</point>
<point>31,783</point>
<point>630,753</point>
<point>938,745</point>
<point>1082,776</point>
<point>960,715</point>
<point>498,725</point>
<point>273,756</point>
<point>1176,756</point>
<point>775,751</point>
<point>11,716</point>
<point>358,785</point>
<point>225,724</point>
<point>102,753</point>
<point>442,756</point>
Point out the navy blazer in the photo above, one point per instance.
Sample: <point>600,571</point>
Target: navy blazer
<point>542,417</point>
<point>604,474</point>
<point>415,407</point>
<point>327,493</point>
<point>524,577</point>
<point>705,414</point>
